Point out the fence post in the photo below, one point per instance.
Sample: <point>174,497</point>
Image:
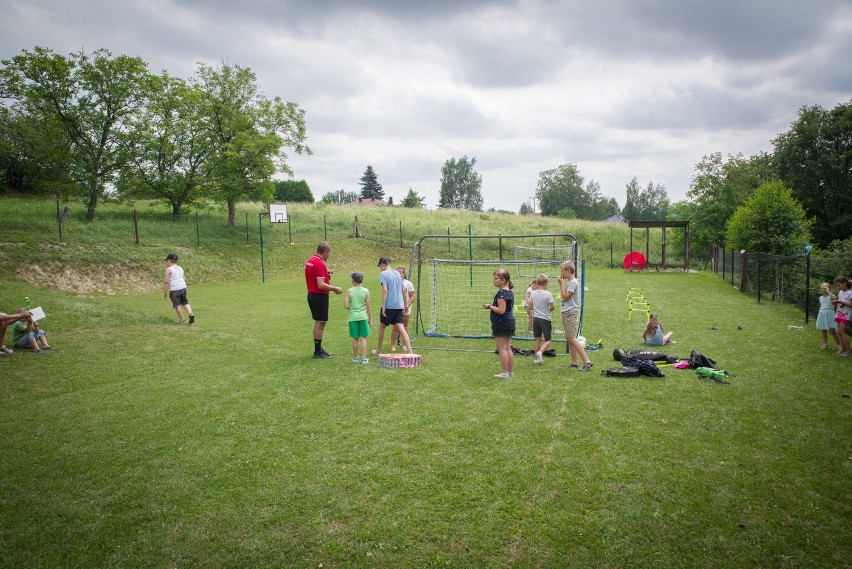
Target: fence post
<point>448,239</point>
<point>324,228</point>
<point>247,228</point>
<point>610,254</point>
<point>723,262</point>
<point>807,285</point>
<point>59,218</point>
<point>136,226</point>
<point>759,276</point>
<point>197,232</point>
<point>732,266</point>
<point>400,234</point>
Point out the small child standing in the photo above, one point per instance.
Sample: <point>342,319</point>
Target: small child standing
<point>502,315</point>
<point>357,302</point>
<point>825,317</point>
<point>844,314</point>
<point>541,305</point>
<point>653,334</point>
<point>174,288</point>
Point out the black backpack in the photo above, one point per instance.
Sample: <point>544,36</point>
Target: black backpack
<point>645,367</point>
<point>697,360</point>
<point>621,372</point>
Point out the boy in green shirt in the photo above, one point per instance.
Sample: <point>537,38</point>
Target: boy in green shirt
<point>357,302</point>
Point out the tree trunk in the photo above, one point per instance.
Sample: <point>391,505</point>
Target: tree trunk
<point>93,200</point>
<point>232,213</point>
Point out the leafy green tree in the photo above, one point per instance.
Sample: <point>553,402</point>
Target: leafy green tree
<point>293,191</point>
<point>172,143</point>
<point>567,213</point>
<point>34,154</point>
<point>814,159</point>
<point>461,185</point>
<point>526,209</point>
<point>718,188</point>
<point>771,221</point>
<point>371,189</point>
<point>650,204</point>
<point>561,188</point>
<point>413,199</point>
<point>89,99</point>
<point>250,133</point>
<point>340,197</point>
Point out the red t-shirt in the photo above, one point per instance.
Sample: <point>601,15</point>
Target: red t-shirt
<point>315,268</point>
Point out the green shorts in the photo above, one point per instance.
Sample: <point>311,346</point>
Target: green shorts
<point>359,329</point>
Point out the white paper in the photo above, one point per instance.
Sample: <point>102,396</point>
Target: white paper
<point>37,313</point>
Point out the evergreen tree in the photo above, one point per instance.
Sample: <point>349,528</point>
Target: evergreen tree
<point>371,189</point>
<point>412,199</point>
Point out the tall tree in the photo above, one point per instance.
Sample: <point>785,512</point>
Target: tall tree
<point>461,185</point>
<point>814,158</point>
<point>371,189</point>
<point>718,188</point>
<point>250,134</point>
<point>172,143</point>
<point>649,204</point>
<point>413,199</point>
<point>89,98</point>
<point>771,221</point>
<point>526,209</point>
<point>561,189</point>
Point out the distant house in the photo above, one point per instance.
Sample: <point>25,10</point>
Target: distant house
<point>615,219</point>
<point>369,203</point>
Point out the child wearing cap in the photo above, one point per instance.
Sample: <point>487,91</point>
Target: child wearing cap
<point>357,302</point>
<point>174,287</point>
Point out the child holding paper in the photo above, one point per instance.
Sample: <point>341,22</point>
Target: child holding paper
<point>27,334</point>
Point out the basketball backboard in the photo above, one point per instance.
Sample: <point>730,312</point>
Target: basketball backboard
<point>278,213</point>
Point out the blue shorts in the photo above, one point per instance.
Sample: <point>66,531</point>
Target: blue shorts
<point>24,342</point>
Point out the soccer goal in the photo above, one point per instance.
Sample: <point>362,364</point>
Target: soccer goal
<point>451,291</point>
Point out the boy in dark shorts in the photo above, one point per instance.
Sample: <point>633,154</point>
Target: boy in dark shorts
<point>393,305</point>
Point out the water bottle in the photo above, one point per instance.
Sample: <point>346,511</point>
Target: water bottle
<point>792,327</point>
<point>27,304</point>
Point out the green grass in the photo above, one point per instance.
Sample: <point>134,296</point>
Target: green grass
<point>141,443</point>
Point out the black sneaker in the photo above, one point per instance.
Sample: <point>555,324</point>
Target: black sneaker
<point>322,351</point>
<point>191,318</point>
<point>322,355</point>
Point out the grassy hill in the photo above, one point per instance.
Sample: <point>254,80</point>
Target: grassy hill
<point>103,256</point>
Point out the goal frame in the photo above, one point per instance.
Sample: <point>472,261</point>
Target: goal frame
<point>417,260</point>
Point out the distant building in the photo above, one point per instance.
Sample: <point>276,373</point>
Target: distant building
<point>615,219</point>
<point>369,203</point>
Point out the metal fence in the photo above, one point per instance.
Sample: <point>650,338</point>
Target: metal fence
<point>793,279</point>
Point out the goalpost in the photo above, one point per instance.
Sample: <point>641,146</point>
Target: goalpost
<point>451,291</point>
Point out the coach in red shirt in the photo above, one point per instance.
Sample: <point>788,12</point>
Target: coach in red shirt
<point>318,279</point>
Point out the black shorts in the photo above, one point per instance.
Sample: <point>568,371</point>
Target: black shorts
<point>503,328</point>
<point>542,329</point>
<point>178,297</point>
<point>394,316</point>
<point>319,306</point>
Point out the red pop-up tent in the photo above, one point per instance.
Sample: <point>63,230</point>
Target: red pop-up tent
<point>635,261</point>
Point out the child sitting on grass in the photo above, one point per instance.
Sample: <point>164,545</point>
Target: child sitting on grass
<point>26,333</point>
<point>653,334</point>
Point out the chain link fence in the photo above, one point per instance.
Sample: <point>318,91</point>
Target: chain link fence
<point>793,279</point>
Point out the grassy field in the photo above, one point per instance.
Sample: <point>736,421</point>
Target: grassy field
<point>143,443</point>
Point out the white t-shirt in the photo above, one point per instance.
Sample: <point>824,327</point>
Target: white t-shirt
<point>845,296</point>
<point>407,289</point>
<point>541,301</point>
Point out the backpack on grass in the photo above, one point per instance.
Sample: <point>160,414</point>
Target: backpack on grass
<point>621,371</point>
<point>645,367</point>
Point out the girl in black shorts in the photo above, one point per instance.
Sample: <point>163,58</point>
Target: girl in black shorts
<point>503,321</point>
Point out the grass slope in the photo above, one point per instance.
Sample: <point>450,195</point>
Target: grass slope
<point>141,443</point>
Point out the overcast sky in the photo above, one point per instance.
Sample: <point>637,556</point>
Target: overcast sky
<point>621,88</point>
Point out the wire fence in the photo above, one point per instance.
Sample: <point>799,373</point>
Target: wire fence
<point>792,279</point>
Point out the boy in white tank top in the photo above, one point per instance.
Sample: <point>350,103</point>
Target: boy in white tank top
<point>174,288</point>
